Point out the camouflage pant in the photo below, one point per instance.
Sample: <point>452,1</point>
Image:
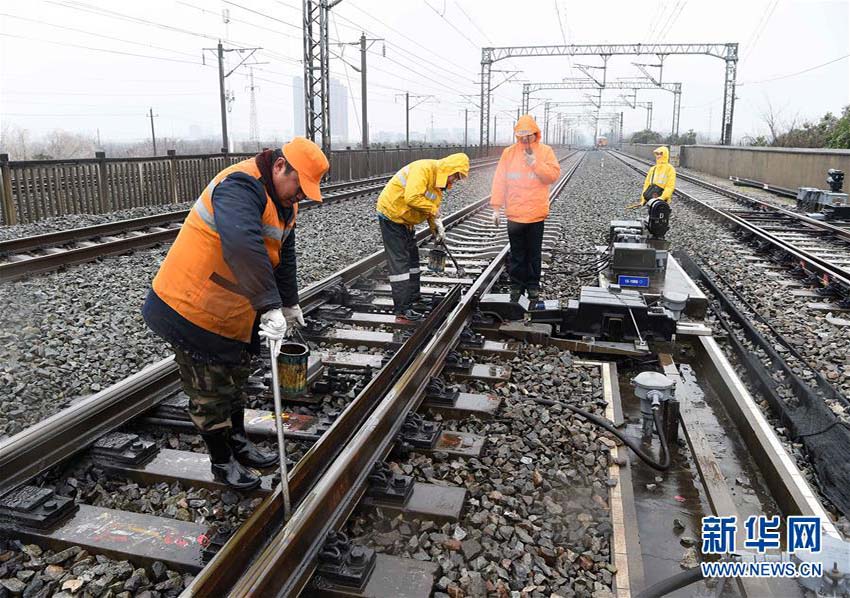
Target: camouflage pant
<point>215,390</point>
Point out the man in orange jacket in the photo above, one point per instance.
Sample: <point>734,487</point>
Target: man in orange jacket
<point>521,185</point>
<point>229,279</point>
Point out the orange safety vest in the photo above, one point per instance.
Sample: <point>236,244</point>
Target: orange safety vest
<point>196,282</point>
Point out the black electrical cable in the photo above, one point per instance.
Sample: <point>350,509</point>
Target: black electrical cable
<point>629,442</point>
<point>672,583</point>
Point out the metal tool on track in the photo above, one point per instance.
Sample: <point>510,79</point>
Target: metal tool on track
<point>460,271</point>
<point>274,350</point>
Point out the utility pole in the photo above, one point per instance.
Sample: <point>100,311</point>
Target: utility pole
<point>222,101</point>
<point>363,117</point>
<point>253,126</point>
<point>408,108</point>
<point>153,132</point>
<point>364,108</point>
<point>223,96</point>
<point>465,126</point>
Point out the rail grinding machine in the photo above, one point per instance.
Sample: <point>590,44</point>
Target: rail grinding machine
<point>634,306</point>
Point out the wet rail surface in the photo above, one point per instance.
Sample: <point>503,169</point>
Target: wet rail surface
<point>814,246</point>
<point>361,352</point>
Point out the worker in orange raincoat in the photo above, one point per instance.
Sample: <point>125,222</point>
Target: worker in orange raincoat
<point>229,279</point>
<point>521,185</point>
<point>660,181</point>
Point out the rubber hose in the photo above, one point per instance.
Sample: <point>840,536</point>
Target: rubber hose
<point>672,583</point>
<point>629,442</point>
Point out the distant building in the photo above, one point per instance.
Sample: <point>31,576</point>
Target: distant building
<point>339,110</point>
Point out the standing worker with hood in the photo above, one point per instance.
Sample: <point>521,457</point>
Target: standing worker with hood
<point>521,184</point>
<point>229,278</point>
<point>412,196</point>
<point>661,179</point>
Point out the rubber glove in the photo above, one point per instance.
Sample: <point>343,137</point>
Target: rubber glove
<point>273,325</point>
<point>439,230</point>
<point>496,218</point>
<point>293,315</point>
<point>530,159</point>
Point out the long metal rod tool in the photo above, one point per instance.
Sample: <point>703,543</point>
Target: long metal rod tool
<point>274,351</point>
<point>460,271</point>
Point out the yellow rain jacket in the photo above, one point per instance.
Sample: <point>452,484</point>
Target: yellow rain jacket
<point>414,193</point>
<point>662,174</point>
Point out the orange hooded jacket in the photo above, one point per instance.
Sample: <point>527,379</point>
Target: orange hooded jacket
<point>522,189</point>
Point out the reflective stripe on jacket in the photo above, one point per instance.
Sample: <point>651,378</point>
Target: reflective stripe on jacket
<point>196,280</point>
<point>523,190</point>
<point>415,192</point>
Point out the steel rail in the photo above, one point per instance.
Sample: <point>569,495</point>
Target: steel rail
<point>57,437</point>
<point>286,564</point>
<point>15,270</point>
<point>834,230</point>
<point>821,266</point>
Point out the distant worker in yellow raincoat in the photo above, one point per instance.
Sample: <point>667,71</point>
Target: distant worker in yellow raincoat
<point>661,179</point>
<point>411,197</point>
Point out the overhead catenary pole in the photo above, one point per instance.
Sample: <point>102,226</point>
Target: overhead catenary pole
<point>364,43</point>
<point>408,108</point>
<point>222,94</point>
<point>317,92</point>
<point>221,97</point>
<point>153,132</point>
<point>364,104</point>
<point>465,127</point>
<point>724,51</point>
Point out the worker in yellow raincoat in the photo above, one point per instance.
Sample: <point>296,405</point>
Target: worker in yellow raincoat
<point>661,179</point>
<point>411,197</point>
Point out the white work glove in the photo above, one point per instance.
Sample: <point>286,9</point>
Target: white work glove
<point>496,218</point>
<point>439,230</point>
<point>273,325</point>
<point>293,315</point>
<point>530,159</point>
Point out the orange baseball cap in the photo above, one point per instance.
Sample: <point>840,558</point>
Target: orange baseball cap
<point>310,162</point>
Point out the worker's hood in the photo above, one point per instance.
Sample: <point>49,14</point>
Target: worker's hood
<point>526,125</point>
<point>449,165</point>
<point>664,158</point>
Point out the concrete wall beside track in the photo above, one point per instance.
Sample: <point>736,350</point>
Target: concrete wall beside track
<point>785,167</point>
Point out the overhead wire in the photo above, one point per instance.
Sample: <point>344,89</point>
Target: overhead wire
<point>762,25</point>
<point>789,75</point>
<point>106,50</point>
<point>94,34</point>
<point>350,93</point>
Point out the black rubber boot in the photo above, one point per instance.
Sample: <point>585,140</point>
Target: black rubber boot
<point>516,293</point>
<point>408,315</point>
<point>224,467</point>
<point>245,451</point>
<point>533,294</point>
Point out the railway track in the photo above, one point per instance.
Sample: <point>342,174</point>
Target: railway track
<point>816,249</point>
<point>28,256</point>
<point>384,386</point>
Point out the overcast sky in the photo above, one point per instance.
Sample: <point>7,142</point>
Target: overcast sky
<point>87,65</point>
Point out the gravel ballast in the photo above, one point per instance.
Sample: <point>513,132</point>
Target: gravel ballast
<point>72,333</point>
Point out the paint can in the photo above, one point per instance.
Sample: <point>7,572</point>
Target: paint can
<point>292,367</point>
